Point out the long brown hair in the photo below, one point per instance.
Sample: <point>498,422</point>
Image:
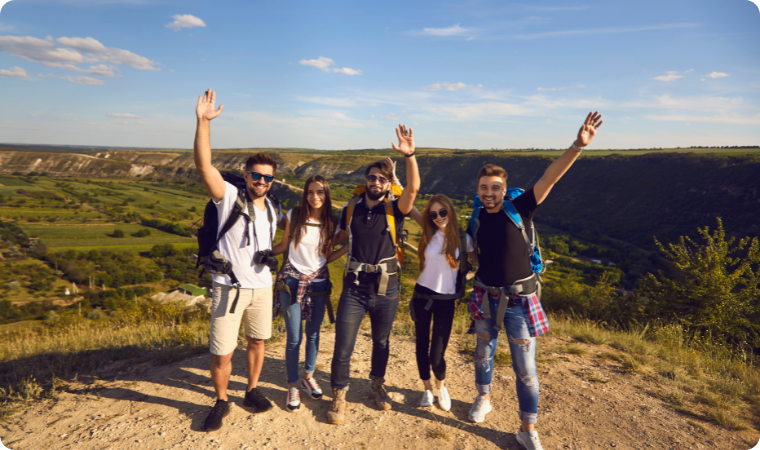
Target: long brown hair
<point>450,238</point>
<point>327,229</point>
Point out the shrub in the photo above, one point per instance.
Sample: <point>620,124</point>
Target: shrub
<point>117,233</point>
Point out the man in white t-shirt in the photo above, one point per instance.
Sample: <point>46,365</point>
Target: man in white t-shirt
<point>239,245</point>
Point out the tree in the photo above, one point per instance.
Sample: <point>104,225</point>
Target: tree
<point>117,233</point>
<point>716,289</point>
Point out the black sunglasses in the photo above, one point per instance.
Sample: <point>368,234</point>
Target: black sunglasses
<point>434,215</point>
<point>373,178</point>
<point>257,176</point>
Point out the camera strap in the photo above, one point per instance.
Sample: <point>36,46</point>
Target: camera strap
<point>252,218</point>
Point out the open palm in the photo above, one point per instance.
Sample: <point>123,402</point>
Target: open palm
<point>205,109</point>
<point>588,129</point>
<point>405,140</point>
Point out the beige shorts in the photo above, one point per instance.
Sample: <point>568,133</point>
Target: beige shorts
<point>254,307</point>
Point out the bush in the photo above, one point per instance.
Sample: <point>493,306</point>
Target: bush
<point>117,233</point>
<point>96,314</point>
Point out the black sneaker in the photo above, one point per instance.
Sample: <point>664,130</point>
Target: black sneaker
<point>254,399</point>
<point>214,420</point>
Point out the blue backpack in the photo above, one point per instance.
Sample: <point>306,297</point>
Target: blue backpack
<point>532,248</point>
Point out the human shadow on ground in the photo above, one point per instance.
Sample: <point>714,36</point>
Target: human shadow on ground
<point>193,375</point>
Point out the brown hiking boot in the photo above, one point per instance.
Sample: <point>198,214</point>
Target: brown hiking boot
<point>337,412</point>
<point>378,393</point>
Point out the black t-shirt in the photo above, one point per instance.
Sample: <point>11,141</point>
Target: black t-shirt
<point>502,251</point>
<point>372,241</point>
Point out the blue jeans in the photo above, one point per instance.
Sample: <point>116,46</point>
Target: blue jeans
<point>353,306</point>
<point>296,331</point>
<point>523,357</point>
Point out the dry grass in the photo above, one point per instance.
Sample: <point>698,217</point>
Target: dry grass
<point>572,349</point>
<point>728,419</point>
<point>438,433</point>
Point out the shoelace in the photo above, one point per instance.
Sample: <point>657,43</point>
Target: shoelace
<point>313,385</point>
<point>217,410</point>
<point>293,392</point>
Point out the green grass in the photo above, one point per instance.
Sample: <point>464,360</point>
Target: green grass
<point>131,248</point>
<point>10,181</point>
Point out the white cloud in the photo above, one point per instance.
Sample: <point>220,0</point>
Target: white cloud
<point>50,75</point>
<point>468,111</point>
<point>606,30</point>
<point>14,71</point>
<point>450,86</point>
<point>347,71</point>
<point>99,52</point>
<point>124,115</point>
<point>671,75</point>
<point>560,88</point>
<point>185,21</point>
<point>39,50</point>
<point>323,63</point>
<point>723,105</point>
<point>340,102</point>
<point>734,119</point>
<point>102,70</point>
<point>86,80</point>
<point>452,31</point>
<point>718,75</point>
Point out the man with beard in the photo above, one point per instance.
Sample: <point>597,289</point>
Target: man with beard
<point>370,284</point>
<point>239,245</point>
<point>506,287</point>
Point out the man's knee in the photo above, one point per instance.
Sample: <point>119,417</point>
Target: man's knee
<point>220,361</point>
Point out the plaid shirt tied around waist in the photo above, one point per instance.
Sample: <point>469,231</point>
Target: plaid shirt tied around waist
<point>304,287</point>
<point>538,323</point>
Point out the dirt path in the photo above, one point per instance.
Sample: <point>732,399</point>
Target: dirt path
<point>148,407</point>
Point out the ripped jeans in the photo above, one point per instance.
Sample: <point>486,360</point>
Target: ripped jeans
<point>523,350</point>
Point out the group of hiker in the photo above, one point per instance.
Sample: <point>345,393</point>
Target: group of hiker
<point>239,250</point>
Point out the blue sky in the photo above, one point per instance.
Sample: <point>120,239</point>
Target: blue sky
<point>339,75</point>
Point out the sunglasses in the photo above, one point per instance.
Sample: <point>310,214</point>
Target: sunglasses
<point>373,178</point>
<point>257,176</point>
<point>434,215</point>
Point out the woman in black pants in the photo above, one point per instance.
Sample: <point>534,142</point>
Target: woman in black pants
<point>438,255</point>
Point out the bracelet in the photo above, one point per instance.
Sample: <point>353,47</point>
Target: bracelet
<point>576,148</point>
<point>409,156</point>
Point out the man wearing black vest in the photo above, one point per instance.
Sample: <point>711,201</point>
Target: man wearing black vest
<point>252,294</point>
<point>371,281</point>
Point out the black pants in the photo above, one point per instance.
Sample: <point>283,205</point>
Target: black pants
<point>441,315</point>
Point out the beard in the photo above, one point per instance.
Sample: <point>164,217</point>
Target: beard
<point>252,192</point>
<point>374,196</point>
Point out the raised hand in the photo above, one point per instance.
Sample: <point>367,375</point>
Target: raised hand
<point>588,129</point>
<point>205,109</point>
<point>405,140</point>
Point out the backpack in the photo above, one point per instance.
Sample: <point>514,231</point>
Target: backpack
<point>209,255</point>
<point>386,267</point>
<point>532,248</point>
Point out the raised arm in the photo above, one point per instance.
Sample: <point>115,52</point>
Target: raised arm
<point>557,169</point>
<point>406,147</point>
<point>202,148</point>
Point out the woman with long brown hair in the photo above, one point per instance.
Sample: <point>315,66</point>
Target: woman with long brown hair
<point>308,238</point>
<point>435,294</point>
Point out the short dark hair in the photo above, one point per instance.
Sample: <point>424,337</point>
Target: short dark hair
<point>492,170</point>
<point>260,158</point>
<point>385,169</point>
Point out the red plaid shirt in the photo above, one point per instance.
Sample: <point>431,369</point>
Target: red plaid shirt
<point>304,286</point>
<point>538,323</point>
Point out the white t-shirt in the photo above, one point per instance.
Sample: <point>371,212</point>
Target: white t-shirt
<point>438,275</point>
<point>233,244</point>
<point>306,258</point>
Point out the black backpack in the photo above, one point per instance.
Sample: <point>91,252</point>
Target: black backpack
<point>208,243</point>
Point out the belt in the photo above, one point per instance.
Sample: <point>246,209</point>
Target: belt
<point>522,288</point>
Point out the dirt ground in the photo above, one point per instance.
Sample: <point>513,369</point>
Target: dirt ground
<point>586,403</point>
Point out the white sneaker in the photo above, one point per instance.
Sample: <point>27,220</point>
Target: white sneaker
<point>444,400</point>
<point>294,399</point>
<point>480,408</point>
<point>427,399</point>
<point>529,439</point>
<point>311,386</point>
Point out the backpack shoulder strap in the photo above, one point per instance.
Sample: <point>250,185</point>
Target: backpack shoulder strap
<point>462,250</point>
<point>293,219</point>
<point>514,216</point>
<point>391,219</point>
<point>237,211</point>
